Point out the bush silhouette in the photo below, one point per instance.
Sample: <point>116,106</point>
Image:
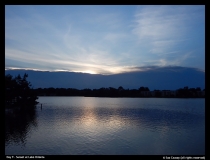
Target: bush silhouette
<point>18,94</point>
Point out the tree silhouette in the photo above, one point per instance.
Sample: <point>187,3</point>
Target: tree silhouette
<point>144,89</point>
<point>18,94</point>
<point>121,92</point>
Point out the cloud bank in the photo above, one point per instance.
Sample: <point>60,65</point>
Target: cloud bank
<point>154,77</point>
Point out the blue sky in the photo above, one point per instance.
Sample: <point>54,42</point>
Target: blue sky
<point>104,39</point>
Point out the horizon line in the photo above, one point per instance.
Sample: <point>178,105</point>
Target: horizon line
<point>138,69</point>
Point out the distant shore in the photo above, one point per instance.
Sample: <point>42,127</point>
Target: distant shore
<point>117,97</point>
<point>142,92</point>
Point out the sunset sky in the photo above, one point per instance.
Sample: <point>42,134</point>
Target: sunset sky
<point>104,39</point>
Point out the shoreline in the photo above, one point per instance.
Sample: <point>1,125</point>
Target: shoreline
<point>117,96</point>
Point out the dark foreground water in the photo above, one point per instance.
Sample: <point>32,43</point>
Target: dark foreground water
<point>114,126</point>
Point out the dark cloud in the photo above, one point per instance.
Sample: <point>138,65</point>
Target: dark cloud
<point>169,77</point>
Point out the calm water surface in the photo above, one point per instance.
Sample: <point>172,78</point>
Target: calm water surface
<point>114,126</point>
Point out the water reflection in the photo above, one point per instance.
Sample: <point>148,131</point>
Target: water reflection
<point>101,126</point>
<point>94,121</point>
<point>18,124</point>
<point>147,117</point>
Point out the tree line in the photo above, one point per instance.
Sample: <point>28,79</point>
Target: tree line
<point>20,95</point>
<point>102,92</point>
<point>120,92</point>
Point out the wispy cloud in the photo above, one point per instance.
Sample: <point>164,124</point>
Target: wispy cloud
<point>161,26</point>
<point>98,39</point>
<point>165,30</point>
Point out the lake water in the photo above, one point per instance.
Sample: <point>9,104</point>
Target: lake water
<point>113,126</point>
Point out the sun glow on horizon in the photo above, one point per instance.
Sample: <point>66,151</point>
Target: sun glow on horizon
<point>87,71</point>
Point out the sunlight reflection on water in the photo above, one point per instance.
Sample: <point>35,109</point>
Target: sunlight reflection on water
<point>82,125</point>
